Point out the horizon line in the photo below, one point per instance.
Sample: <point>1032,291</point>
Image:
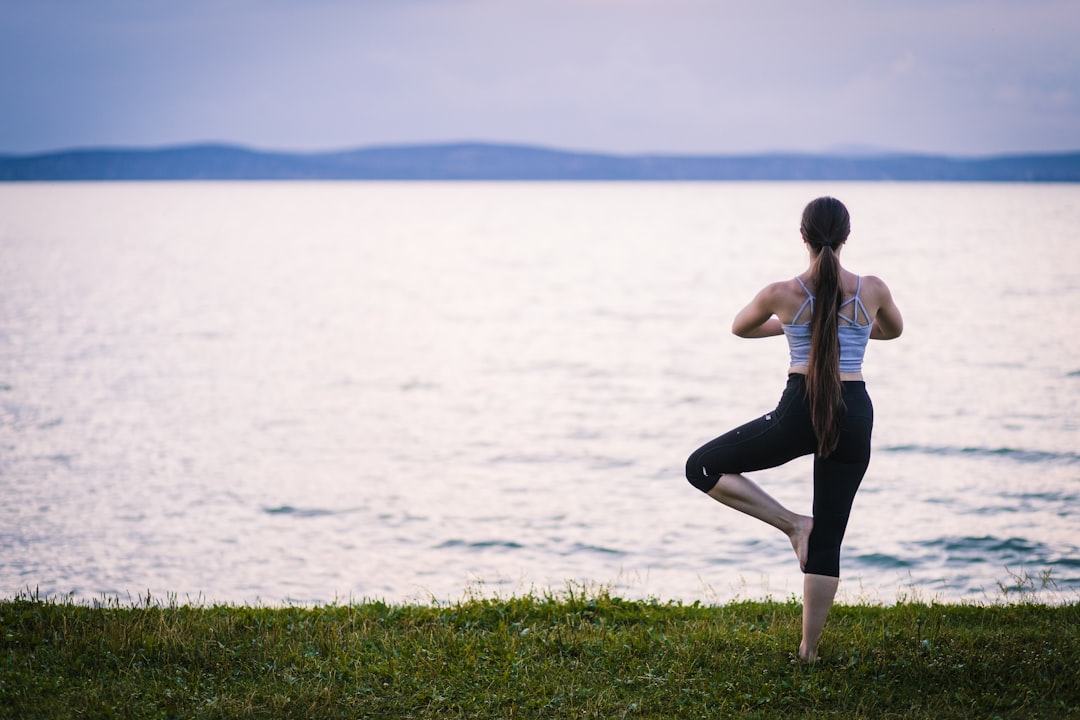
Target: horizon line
<point>854,152</point>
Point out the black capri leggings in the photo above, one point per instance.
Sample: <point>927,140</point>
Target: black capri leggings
<point>785,434</point>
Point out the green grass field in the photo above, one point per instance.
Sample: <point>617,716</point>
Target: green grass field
<point>576,655</point>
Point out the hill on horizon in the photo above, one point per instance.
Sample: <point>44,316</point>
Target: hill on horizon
<point>493,161</point>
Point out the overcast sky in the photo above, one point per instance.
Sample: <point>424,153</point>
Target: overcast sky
<point>960,77</point>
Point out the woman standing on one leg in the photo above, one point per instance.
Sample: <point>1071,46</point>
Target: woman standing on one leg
<point>827,314</point>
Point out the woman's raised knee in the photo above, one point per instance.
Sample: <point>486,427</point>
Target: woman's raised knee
<point>698,476</point>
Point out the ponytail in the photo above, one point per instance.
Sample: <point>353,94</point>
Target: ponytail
<point>823,375</point>
<point>825,226</point>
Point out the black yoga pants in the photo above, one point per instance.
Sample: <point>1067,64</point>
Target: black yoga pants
<point>785,434</point>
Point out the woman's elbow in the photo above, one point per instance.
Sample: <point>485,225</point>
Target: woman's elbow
<point>895,327</point>
<point>753,331</point>
<point>886,332</point>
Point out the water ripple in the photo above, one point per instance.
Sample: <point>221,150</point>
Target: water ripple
<point>581,547</point>
<point>304,512</point>
<point>480,545</point>
<point>1016,454</point>
<point>884,560</point>
<point>995,550</point>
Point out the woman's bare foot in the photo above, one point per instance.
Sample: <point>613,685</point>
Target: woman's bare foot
<point>800,538</point>
<point>807,656</point>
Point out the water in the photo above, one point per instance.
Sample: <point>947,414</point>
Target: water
<point>309,392</point>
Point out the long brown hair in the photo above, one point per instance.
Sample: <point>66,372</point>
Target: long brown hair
<point>825,226</point>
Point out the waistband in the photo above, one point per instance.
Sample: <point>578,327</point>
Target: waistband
<point>800,379</point>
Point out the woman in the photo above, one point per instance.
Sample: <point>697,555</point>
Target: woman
<point>827,314</point>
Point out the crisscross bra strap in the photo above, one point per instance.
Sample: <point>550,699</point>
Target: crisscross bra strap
<point>853,320</point>
<point>809,302</point>
<point>859,307</point>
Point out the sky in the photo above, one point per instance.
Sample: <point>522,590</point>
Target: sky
<point>954,77</point>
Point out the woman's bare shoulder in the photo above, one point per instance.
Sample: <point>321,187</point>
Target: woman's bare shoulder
<point>784,289</point>
<point>783,298</point>
<point>874,284</point>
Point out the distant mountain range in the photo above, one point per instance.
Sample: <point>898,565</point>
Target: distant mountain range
<point>483,161</point>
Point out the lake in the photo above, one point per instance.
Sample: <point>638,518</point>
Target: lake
<point>336,391</point>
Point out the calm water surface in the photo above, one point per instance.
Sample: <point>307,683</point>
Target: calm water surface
<point>277,392</point>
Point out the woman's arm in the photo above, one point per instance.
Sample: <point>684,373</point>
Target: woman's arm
<point>758,319</point>
<point>888,323</point>
<point>769,328</point>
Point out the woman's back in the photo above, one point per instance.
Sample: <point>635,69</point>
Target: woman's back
<point>863,298</point>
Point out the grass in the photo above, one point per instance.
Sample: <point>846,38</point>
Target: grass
<point>576,655</point>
